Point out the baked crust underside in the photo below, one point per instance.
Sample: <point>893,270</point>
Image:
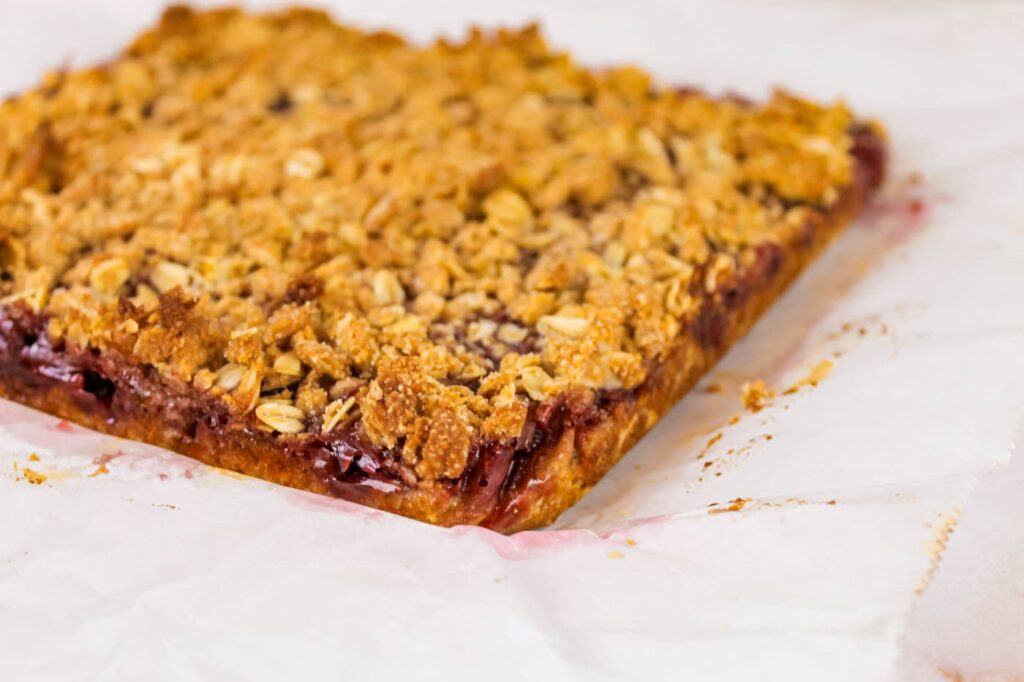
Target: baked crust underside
<point>566,446</point>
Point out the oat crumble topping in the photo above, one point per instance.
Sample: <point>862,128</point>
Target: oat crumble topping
<point>329,228</point>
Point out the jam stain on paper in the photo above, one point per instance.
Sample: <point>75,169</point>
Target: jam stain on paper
<point>101,463</point>
<point>534,544</point>
<point>528,544</point>
<point>887,224</point>
<point>325,503</point>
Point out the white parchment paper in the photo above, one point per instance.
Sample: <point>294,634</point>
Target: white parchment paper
<point>784,544</point>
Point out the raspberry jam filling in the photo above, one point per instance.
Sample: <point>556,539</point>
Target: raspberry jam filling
<point>348,465</point>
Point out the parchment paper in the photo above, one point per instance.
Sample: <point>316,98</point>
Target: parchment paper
<point>789,544</point>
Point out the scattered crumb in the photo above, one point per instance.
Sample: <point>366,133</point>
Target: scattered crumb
<point>714,388</point>
<point>166,506</point>
<point>65,425</point>
<point>33,457</point>
<point>831,503</point>
<point>188,473</point>
<point>820,371</point>
<point>33,477</point>
<point>734,506</point>
<point>616,554</point>
<point>947,522</point>
<point>756,395</point>
<point>714,439</point>
<point>630,542</point>
<point>101,469</point>
<point>734,419</point>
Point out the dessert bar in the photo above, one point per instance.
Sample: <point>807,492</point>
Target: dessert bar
<point>456,281</point>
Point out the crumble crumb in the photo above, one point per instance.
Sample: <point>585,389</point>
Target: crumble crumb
<point>756,395</point>
<point>33,477</point>
<point>818,373</point>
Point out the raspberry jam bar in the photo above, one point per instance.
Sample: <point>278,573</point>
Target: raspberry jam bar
<point>456,282</point>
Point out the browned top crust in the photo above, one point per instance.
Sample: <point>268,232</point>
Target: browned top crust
<point>330,228</point>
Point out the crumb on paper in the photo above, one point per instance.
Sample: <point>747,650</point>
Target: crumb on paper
<point>756,395</point>
<point>64,425</point>
<point>33,477</point>
<point>714,387</point>
<point>734,419</point>
<point>166,506</point>
<point>736,505</point>
<point>819,373</point>
<point>947,522</point>
<point>630,542</point>
<point>100,470</point>
<point>616,554</point>
<point>707,446</point>
<point>33,457</point>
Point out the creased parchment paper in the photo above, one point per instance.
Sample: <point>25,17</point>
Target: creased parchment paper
<point>787,543</point>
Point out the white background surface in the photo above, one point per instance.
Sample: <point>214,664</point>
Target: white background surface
<point>163,569</point>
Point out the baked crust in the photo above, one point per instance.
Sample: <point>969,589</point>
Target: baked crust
<point>363,361</point>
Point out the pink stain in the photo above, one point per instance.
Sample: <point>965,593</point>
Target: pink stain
<point>326,503</point>
<point>534,544</point>
<point>902,215</point>
<point>887,223</point>
<point>107,458</point>
<point>529,544</point>
<point>65,426</point>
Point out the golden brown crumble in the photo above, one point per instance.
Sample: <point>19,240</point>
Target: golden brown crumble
<point>756,395</point>
<point>328,227</point>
